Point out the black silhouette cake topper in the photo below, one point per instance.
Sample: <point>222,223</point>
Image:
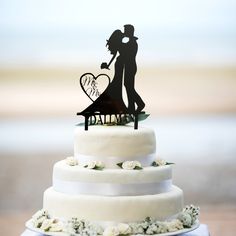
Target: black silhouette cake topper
<point>108,106</point>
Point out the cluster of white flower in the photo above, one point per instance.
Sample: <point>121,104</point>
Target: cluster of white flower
<point>186,219</point>
<point>120,229</point>
<point>174,225</point>
<point>147,227</point>
<point>71,161</point>
<point>95,165</point>
<point>39,217</point>
<point>52,225</point>
<point>189,215</point>
<point>42,220</point>
<point>130,165</point>
<point>111,231</point>
<point>150,226</point>
<point>83,228</point>
<point>137,228</point>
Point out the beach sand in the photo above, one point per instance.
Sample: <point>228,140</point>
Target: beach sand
<point>165,90</point>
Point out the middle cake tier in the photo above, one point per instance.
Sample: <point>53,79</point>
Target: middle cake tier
<point>111,182</point>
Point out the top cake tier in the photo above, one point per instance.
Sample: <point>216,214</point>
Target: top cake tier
<point>115,144</point>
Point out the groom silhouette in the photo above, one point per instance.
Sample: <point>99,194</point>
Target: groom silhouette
<point>125,68</point>
<point>128,53</point>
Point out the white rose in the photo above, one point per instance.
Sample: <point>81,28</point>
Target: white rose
<point>174,225</point>
<point>100,164</point>
<point>124,228</point>
<point>39,217</point>
<point>46,224</point>
<point>128,165</point>
<point>91,164</point>
<point>192,211</point>
<point>138,164</point>
<point>160,162</point>
<point>186,219</point>
<point>71,161</point>
<point>56,227</point>
<point>162,227</point>
<point>111,231</point>
<point>178,224</point>
<point>152,229</point>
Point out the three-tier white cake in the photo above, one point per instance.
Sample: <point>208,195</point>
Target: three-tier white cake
<point>114,177</point>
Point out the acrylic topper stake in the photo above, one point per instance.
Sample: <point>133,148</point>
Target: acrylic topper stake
<point>107,99</point>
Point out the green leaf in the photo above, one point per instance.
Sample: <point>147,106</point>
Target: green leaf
<point>120,164</point>
<point>98,168</point>
<point>169,163</point>
<point>143,116</point>
<point>138,168</point>
<point>80,124</point>
<point>85,166</point>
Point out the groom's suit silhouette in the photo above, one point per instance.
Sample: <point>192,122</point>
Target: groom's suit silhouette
<point>128,53</point>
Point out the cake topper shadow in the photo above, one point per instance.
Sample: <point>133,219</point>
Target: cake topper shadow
<point>105,94</point>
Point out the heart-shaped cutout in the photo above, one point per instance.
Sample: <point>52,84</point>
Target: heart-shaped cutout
<point>93,86</point>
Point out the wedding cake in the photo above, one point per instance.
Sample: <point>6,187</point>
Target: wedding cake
<point>113,185</point>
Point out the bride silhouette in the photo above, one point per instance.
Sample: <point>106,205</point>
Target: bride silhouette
<point>111,101</point>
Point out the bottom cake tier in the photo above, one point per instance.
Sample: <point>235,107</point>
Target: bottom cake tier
<point>114,209</point>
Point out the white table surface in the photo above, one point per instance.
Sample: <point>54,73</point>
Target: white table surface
<point>201,231</point>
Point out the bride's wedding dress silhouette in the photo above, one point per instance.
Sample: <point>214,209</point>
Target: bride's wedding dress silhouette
<point>111,101</point>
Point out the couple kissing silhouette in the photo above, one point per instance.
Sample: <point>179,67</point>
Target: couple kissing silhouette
<point>122,46</point>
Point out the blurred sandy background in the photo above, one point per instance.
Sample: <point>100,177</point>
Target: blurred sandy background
<point>186,75</point>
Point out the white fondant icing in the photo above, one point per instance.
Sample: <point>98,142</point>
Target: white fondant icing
<point>63,172</point>
<point>115,142</point>
<point>118,209</point>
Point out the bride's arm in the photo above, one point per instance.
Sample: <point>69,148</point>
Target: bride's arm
<point>104,65</point>
<point>111,60</point>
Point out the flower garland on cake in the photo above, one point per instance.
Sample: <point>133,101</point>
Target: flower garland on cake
<point>126,165</point>
<point>75,227</point>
